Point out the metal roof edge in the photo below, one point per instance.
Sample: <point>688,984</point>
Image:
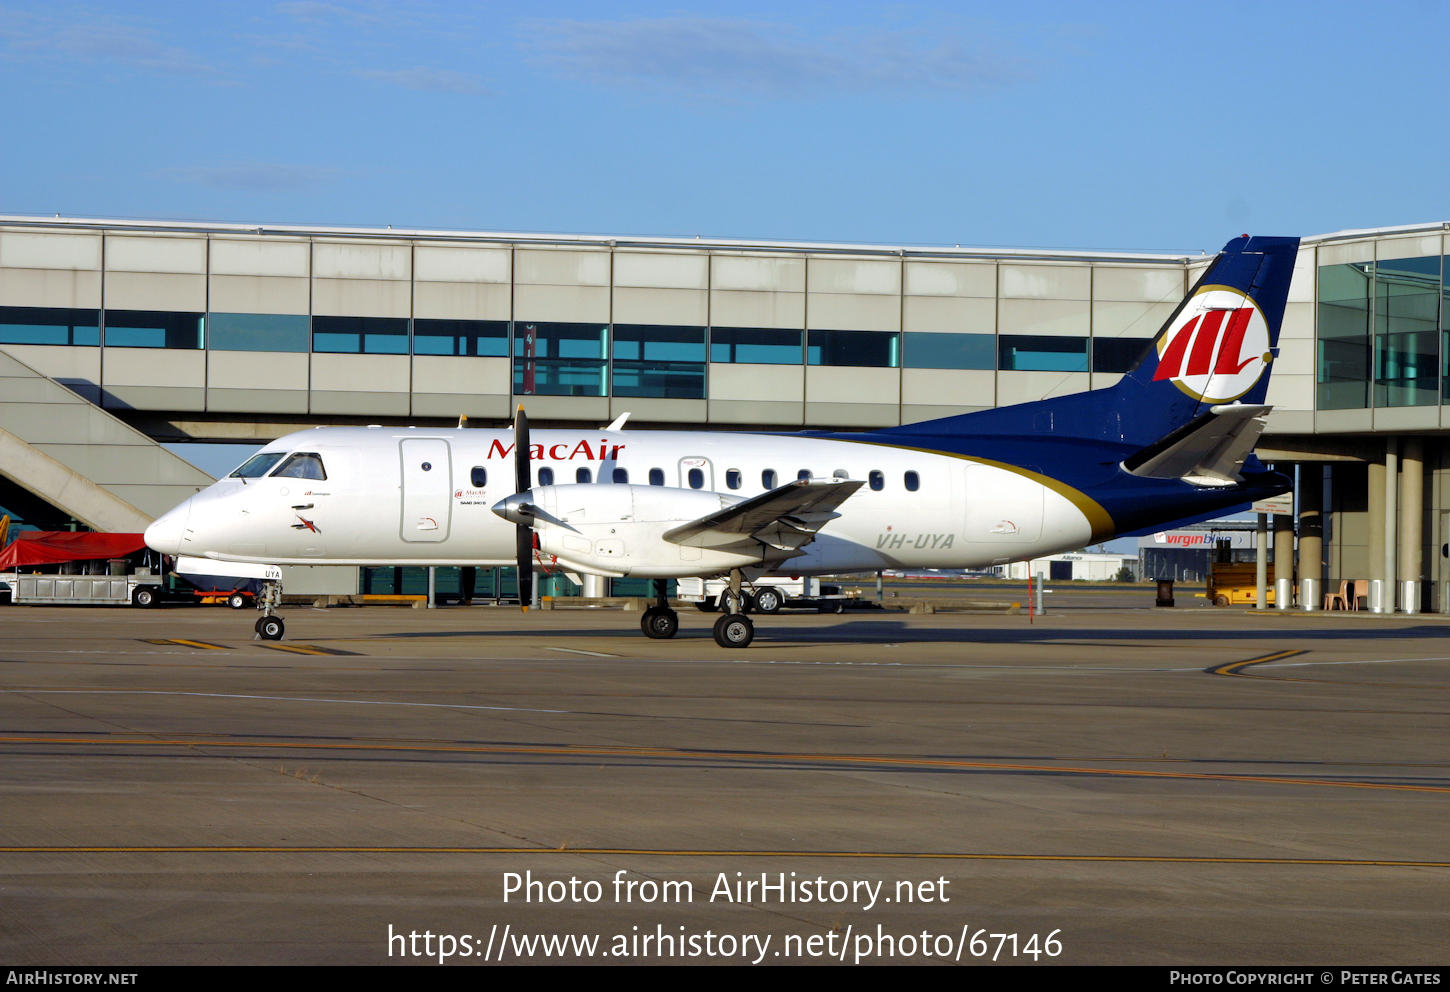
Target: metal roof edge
<point>590,240</point>
<point>1370,232</point>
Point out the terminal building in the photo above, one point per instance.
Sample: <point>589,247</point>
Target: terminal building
<point>118,335</point>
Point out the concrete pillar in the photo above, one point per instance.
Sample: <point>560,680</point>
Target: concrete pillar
<point>1374,524</point>
<point>593,587</point>
<point>1311,534</point>
<point>1392,515</point>
<point>1261,558</point>
<point>1412,515</point>
<point>1283,561</point>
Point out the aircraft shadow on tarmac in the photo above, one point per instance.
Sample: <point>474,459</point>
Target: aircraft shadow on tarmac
<point>896,632</point>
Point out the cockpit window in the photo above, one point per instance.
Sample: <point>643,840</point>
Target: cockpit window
<point>302,465</point>
<point>256,466</point>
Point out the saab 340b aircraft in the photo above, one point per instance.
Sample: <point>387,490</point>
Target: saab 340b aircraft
<point>1171,441</point>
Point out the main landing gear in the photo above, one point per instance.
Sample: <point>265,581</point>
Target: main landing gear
<point>269,626</point>
<point>733,630</point>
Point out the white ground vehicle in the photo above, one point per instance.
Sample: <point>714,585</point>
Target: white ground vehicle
<point>139,589</point>
<point>768,594</point>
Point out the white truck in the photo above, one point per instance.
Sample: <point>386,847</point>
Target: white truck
<point>769,594</point>
<point>140,588</point>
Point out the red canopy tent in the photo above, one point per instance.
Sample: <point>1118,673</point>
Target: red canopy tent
<point>47,547</point>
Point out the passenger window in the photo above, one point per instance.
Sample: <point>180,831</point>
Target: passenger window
<point>732,478</point>
<point>546,477</point>
<point>303,465</point>
<point>583,475</point>
<point>878,481</point>
<point>767,478</point>
<point>657,477</point>
<point>256,466</point>
<point>803,474</point>
<point>913,482</point>
<point>697,478</point>
<point>479,477</point>
<point>840,473</point>
<point>621,475</point>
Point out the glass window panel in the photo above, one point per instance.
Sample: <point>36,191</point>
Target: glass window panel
<point>1042,353</point>
<point>303,465</point>
<point>878,481</point>
<point>360,335</point>
<point>913,482</point>
<point>1407,331</point>
<point>257,466</point>
<point>949,351</point>
<point>558,359</point>
<point>621,475</point>
<point>657,477</point>
<point>258,331</point>
<point>583,475</point>
<point>862,349</point>
<point>804,473</point>
<point>155,329</point>
<point>659,360</point>
<point>767,478</point>
<point>1344,366</point>
<point>478,476</point>
<point>732,478</point>
<point>49,325</point>
<point>546,477</point>
<point>755,345</point>
<point>483,338</point>
<point>1118,354</point>
<point>697,478</point>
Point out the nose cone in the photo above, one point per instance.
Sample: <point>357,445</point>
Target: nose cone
<point>166,531</point>
<point>517,509</point>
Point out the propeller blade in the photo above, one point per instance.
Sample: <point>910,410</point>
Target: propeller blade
<point>522,481</point>
<point>525,539</point>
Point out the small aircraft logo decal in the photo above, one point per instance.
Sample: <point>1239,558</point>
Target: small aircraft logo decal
<point>307,524</point>
<point>1217,348</point>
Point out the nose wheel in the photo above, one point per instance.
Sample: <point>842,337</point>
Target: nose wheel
<point>270,628</point>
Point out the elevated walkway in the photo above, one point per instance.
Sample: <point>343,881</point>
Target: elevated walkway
<point>82,460</point>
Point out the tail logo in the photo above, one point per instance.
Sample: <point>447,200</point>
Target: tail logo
<point>1217,348</point>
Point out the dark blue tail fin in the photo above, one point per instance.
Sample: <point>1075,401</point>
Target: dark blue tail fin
<point>1217,347</point>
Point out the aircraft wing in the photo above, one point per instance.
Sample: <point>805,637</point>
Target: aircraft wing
<point>783,518</point>
<point>1208,450</point>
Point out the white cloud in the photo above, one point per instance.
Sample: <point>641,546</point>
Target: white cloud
<point>101,39</point>
<point>424,78</point>
<point>256,177</point>
<point>732,56</point>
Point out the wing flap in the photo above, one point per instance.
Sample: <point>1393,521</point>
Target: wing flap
<point>785,518</point>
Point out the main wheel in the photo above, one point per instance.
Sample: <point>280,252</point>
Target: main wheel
<point>271,628</point>
<point>144,597</point>
<point>659,624</point>
<point>708,606</point>
<point>768,600</point>
<point>734,630</point>
<point>237,601</point>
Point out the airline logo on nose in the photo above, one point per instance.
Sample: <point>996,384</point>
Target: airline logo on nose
<point>1217,347</point>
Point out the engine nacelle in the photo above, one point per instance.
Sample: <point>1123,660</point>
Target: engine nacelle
<point>614,529</point>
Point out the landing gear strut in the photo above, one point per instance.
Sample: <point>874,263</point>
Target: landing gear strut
<point>734,629</point>
<point>269,626</point>
<point>659,621</point>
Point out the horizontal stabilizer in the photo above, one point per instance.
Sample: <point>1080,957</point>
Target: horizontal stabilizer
<point>1208,450</point>
<point>784,518</point>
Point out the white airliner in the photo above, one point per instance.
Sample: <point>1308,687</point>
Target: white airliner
<point>1171,441</point>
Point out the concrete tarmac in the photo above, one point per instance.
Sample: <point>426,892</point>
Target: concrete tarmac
<point>1146,786</point>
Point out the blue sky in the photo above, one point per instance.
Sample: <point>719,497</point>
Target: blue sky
<point>1154,126</point>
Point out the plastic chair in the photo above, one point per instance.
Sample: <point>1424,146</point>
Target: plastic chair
<point>1360,591</point>
<point>1342,597</point>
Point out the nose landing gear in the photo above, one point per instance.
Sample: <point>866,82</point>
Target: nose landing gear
<point>269,626</point>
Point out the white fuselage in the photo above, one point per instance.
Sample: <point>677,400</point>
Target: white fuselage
<point>378,506</point>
